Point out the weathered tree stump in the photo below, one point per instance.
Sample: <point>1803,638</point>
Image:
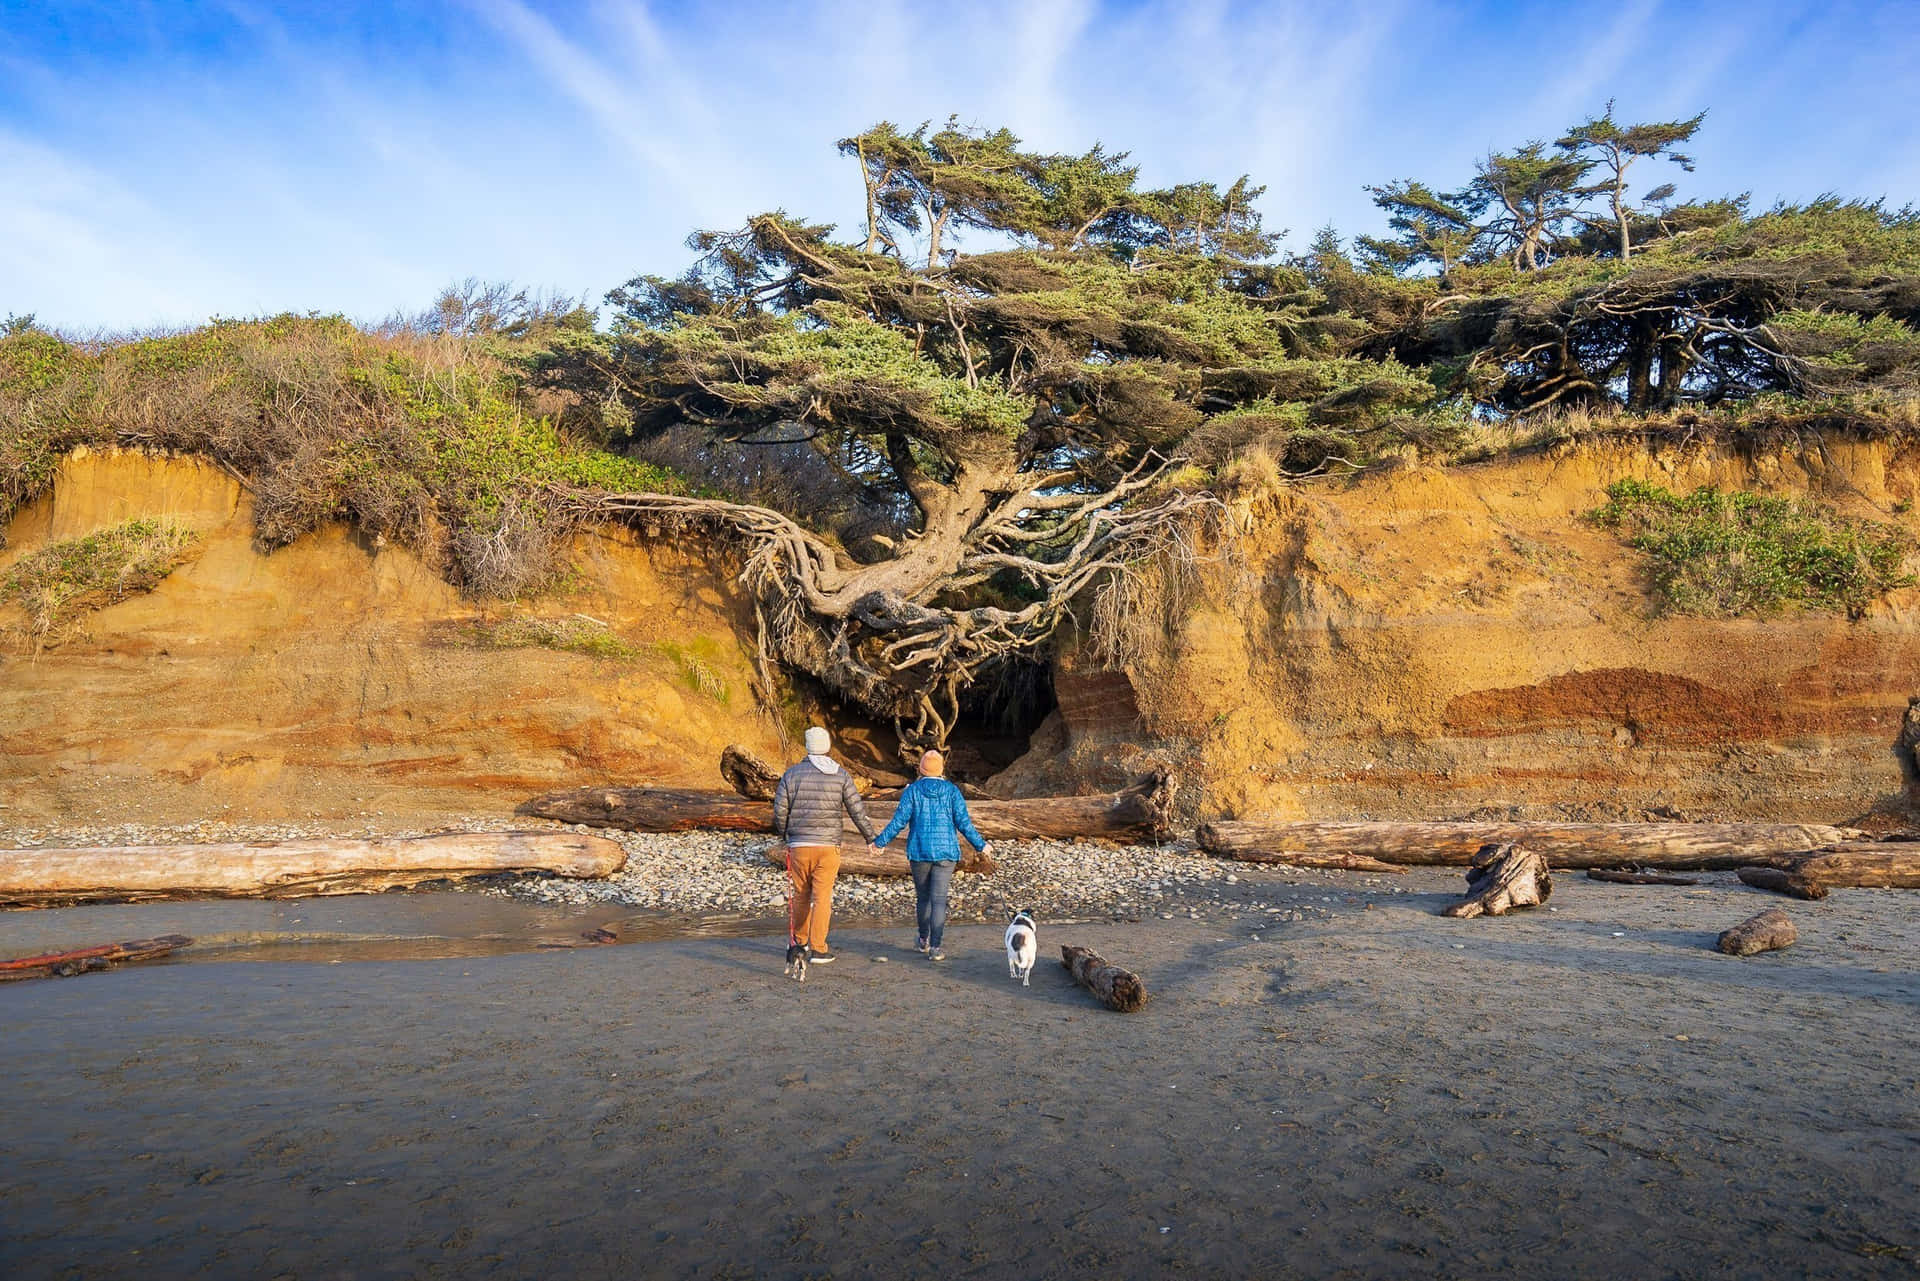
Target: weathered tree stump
<point>1503,877</point>
<point>1782,881</point>
<point>747,774</point>
<point>1620,877</point>
<point>1766,932</point>
<point>1117,989</point>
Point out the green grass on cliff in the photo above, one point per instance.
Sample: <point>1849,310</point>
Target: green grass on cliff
<point>1726,553</point>
<point>62,582</point>
<point>433,442</point>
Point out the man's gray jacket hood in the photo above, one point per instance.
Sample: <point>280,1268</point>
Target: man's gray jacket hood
<point>809,802</point>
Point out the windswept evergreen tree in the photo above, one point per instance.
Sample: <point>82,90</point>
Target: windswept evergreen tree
<point>1019,410</point>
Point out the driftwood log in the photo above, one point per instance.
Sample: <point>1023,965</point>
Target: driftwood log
<point>856,860</point>
<point>85,960</point>
<point>1621,876</point>
<point>291,869</point>
<point>1888,865</point>
<point>1117,989</point>
<point>747,774</point>
<point>1566,845</point>
<point>1502,877</point>
<point>1140,812</point>
<point>1767,932</point>
<point>1782,881</point>
<point>1316,858</point>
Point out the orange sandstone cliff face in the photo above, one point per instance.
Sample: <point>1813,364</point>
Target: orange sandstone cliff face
<point>1429,643</point>
<point>334,678</point>
<point>1418,643</point>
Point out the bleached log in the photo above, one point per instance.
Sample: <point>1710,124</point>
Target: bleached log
<point>1767,932</point>
<point>1891,865</point>
<point>291,869</point>
<point>1318,858</point>
<point>1136,813</point>
<point>1565,845</point>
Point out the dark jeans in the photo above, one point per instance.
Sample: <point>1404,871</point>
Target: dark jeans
<point>930,882</point>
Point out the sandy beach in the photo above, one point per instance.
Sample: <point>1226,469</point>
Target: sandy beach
<point>1347,1086</point>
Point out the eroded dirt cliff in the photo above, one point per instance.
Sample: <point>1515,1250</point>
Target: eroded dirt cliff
<point>1414,643</point>
<point>336,678</point>
<point>1444,643</point>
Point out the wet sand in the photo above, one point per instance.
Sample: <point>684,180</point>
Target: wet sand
<point>1378,1091</point>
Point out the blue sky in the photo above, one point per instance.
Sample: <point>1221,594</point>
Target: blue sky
<point>164,162</point>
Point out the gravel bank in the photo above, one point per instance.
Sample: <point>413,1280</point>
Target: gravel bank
<point>695,874</point>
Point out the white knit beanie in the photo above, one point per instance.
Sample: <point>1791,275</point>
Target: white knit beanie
<point>818,741</point>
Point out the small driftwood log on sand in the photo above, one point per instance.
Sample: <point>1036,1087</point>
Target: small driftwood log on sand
<point>1624,876</point>
<point>1503,877</point>
<point>291,869</point>
<point>856,860</point>
<point>84,960</point>
<point>1118,989</point>
<point>1766,932</point>
<point>1140,812</point>
<point>1565,845</point>
<point>1781,881</point>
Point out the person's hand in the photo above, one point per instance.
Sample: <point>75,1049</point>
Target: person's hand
<point>986,851</point>
<point>874,850</point>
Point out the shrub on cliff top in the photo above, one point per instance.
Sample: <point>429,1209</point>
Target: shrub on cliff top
<point>428,441</point>
<point>63,581</point>
<point>1728,553</point>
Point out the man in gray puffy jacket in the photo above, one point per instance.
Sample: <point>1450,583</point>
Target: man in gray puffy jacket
<point>807,809</point>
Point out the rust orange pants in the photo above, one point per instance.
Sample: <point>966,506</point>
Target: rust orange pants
<point>810,871</point>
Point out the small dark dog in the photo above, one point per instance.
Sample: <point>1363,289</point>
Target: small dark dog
<point>798,955</point>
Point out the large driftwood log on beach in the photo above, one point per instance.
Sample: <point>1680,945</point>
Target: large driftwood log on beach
<point>1140,812</point>
<point>1767,932</point>
<point>291,869</point>
<point>856,860</point>
<point>1569,845</point>
<point>1886,865</point>
<point>1117,989</point>
<point>1892,865</point>
<point>1501,878</point>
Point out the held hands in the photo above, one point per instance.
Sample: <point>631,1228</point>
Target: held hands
<point>874,850</point>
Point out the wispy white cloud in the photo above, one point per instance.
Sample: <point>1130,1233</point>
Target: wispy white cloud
<point>357,161</point>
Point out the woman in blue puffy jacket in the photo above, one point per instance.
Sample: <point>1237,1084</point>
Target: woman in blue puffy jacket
<point>932,810</point>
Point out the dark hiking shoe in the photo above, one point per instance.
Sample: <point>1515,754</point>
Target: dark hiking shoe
<point>934,955</point>
<point>824,958</point>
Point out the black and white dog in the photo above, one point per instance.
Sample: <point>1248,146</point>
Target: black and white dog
<point>798,954</point>
<point>1023,946</point>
